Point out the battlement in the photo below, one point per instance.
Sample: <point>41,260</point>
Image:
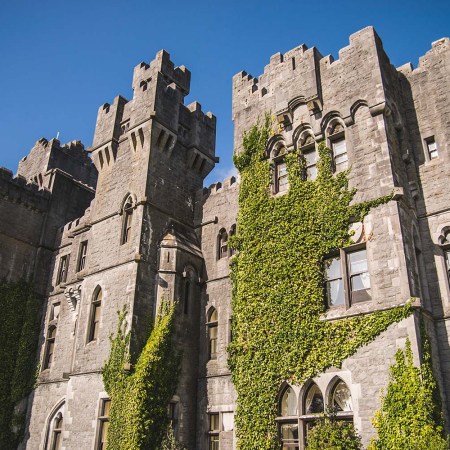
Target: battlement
<point>300,61</point>
<point>144,73</point>
<point>219,187</point>
<point>46,155</point>
<point>427,61</point>
<point>20,190</point>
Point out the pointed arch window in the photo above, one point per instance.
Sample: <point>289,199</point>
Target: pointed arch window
<point>213,328</point>
<point>232,251</point>
<point>49,347</point>
<point>127,220</point>
<point>222,244</point>
<point>312,409</point>
<point>309,153</point>
<point>96,310</point>
<point>341,399</point>
<point>57,431</point>
<point>288,419</point>
<point>338,145</point>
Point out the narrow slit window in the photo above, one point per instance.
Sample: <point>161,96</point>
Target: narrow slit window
<point>339,147</point>
<point>95,315</point>
<point>281,177</point>
<point>50,347</point>
<point>432,148</point>
<point>62,270</point>
<point>103,420</point>
<point>82,256</point>
<point>213,328</point>
<point>214,430</point>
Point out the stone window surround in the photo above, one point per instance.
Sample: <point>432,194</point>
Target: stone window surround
<point>301,393</point>
<point>345,273</point>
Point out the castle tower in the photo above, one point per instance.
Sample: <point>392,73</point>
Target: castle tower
<point>135,245</point>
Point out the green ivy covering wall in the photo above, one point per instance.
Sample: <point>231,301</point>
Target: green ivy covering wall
<point>278,284</point>
<point>410,417</point>
<point>19,330</point>
<point>140,397</point>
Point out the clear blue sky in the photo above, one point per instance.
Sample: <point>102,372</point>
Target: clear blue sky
<point>60,60</point>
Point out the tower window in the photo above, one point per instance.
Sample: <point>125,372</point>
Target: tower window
<point>222,244</point>
<point>232,251</point>
<point>103,424</point>
<point>62,270</point>
<point>432,147</point>
<point>49,347</point>
<point>340,157</point>
<point>127,220</point>
<point>214,430</point>
<point>96,309</point>
<point>82,256</point>
<point>281,177</point>
<point>56,434</point>
<point>213,328</point>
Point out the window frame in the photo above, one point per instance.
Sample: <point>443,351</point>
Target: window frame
<point>334,136</point>
<point>350,298</point>
<point>127,220</point>
<point>56,433</point>
<point>287,419</point>
<point>212,325</point>
<point>102,419</point>
<point>49,351</point>
<point>94,325</point>
<point>214,433</point>
<point>63,267</point>
<point>222,244</point>
<point>82,256</point>
<point>430,141</point>
<point>280,161</point>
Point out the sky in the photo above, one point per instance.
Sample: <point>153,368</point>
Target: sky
<point>61,60</point>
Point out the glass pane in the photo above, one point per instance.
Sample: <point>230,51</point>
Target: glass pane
<point>447,258</point>
<point>106,408</point>
<point>213,332</point>
<point>311,173</point>
<point>55,313</point>
<point>339,147</point>
<point>310,158</point>
<point>341,399</point>
<point>98,295</point>
<point>104,433</point>
<point>281,169</point>
<point>341,159</point>
<point>214,422</point>
<point>97,311</point>
<point>289,405</point>
<point>335,292</point>
<point>333,268</point>
<point>289,433</point>
<point>94,330</point>
<point>52,333</point>
<point>314,400</point>
<point>360,282</point>
<point>214,316</point>
<point>358,262</point>
<point>56,440</point>
<point>214,442</point>
<point>228,421</point>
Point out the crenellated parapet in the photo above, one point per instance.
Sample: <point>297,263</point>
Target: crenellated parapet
<point>301,87</point>
<point>21,191</point>
<point>156,117</point>
<point>48,156</point>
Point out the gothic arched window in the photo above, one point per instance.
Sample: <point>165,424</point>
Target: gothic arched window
<point>232,251</point>
<point>213,328</point>
<point>96,309</point>
<point>338,144</point>
<point>288,419</point>
<point>127,219</point>
<point>49,347</point>
<point>222,244</point>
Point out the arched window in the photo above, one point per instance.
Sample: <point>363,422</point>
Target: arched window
<point>213,328</point>
<point>444,240</point>
<point>56,432</point>
<point>336,136</point>
<point>288,419</point>
<point>307,146</point>
<point>312,408</point>
<point>222,244</point>
<point>341,399</point>
<point>232,251</point>
<point>186,295</point>
<point>127,212</point>
<point>49,347</point>
<point>96,309</point>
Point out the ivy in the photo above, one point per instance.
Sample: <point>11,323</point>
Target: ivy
<point>279,332</point>
<point>410,417</point>
<point>333,434</point>
<point>18,344</point>
<point>139,397</point>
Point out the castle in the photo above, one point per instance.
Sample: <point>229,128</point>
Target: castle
<point>127,222</point>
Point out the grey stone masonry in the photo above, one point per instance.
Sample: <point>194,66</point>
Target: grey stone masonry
<point>127,223</point>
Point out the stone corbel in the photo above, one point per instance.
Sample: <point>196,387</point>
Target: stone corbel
<point>73,295</point>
